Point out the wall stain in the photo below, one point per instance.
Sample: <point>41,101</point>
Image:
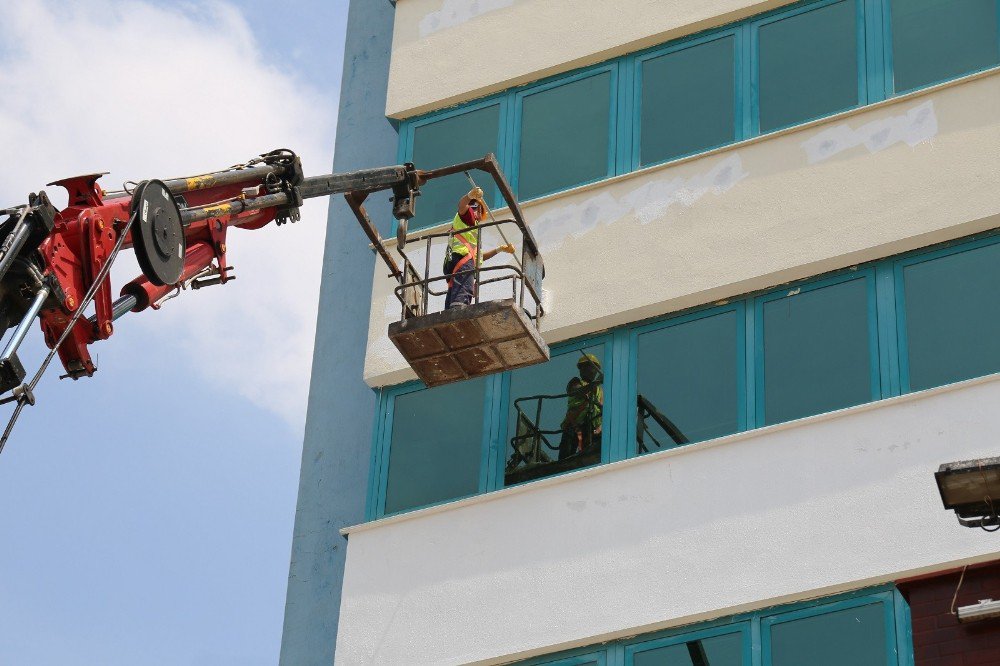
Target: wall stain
<point>456,12</point>
<point>914,127</point>
<point>648,202</point>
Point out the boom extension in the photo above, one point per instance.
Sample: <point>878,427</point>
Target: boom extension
<point>54,263</point>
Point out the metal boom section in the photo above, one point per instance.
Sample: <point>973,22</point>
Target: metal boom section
<point>54,264</point>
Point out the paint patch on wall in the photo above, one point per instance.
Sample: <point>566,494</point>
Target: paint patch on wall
<point>457,12</point>
<point>914,127</point>
<point>649,202</point>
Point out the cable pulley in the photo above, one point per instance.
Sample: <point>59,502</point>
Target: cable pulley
<point>159,238</point>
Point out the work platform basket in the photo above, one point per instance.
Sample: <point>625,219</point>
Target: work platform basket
<point>486,336</point>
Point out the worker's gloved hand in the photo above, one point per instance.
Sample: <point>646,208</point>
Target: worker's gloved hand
<point>476,193</point>
<point>508,248</point>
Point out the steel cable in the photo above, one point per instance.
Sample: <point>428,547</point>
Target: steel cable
<point>22,400</point>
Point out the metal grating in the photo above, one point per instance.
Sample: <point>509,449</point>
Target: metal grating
<point>473,341</point>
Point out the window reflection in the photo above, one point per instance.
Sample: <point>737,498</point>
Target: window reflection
<point>817,351</point>
<point>687,376</point>
<point>435,450</point>
<point>934,40</point>
<point>688,101</point>
<point>556,420</point>
<point>951,328</point>
<point>724,650</point>
<point>853,636</point>
<point>449,141</point>
<point>565,136</point>
<point>808,65</point>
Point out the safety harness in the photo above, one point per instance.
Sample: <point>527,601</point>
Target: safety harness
<point>464,260</point>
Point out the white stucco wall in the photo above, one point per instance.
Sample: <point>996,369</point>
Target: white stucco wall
<point>804,509</point>
<point>857,187</point>
<point>449,51</point>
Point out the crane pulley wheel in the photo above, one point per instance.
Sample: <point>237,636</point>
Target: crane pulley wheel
<point>159,235</point>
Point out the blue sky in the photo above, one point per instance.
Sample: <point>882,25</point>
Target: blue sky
<point>147,512</point>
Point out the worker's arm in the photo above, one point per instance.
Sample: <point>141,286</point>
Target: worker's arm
<point>489,254</point>
<point>463,203</point>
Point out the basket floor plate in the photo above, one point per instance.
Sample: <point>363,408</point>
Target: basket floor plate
<point>474,341</point>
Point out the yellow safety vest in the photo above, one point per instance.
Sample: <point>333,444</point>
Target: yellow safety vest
<point>588,404</point>
<point>470,238</point>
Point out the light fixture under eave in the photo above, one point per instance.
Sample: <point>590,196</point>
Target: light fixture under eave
<point>972,489</point>
<point>986,609</point>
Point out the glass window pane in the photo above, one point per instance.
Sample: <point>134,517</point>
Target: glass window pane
<point>688,101</point>
<point>934,40</point>
<point>565,136</point>
<point>724,650</point>
<point>687,382</point>
<point>451,141</point>
<point>816,351</point>
<point>951,328</point>
<point>556,415</point>
<point>808,65</point>
<point>436,446</point>
<point>854,636</point>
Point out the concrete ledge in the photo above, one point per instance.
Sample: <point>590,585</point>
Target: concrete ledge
<point>520,41</point>
<point>853,188</point>
<point>826,504</point>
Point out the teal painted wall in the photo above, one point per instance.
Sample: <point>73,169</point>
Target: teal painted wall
<point>337,443</point>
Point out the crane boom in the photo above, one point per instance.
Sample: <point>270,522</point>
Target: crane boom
<point>54,264</point>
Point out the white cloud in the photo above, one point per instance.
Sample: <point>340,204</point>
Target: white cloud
<point>145,91</point>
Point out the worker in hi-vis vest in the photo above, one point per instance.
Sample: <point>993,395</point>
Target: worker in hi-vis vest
<point>583,423</point>
<point>460,256</point>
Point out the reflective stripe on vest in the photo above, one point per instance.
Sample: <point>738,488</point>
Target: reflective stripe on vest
<point>586,404</point>
<point>470,255</point>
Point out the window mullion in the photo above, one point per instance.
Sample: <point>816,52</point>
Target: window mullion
<point>903,629</point>
<point>744,84</point>
<point>625,123</point>
<point>751,51</point>
<point>753,355</point>
<point>618,448</point>
<point>756,652</point>
<point>888,343</point>
<point>382,475</point>
<point>875,45</point>
<point>374,467</point>
<point>495,449</point>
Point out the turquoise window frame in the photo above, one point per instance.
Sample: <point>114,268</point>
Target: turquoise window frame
<point>739,307</point>
<point>754,626</point>
<point>887,599</point>
<point>610,415</point>
<point>889,371</point>
<point>867,274</point>
<point>582,657</point>
<point>912,259</point>
<point>382,444</point>
<point>408,131</point>
<point>521,94</point>
<point>786,13</point>
<point>743,628</point>
<point>634,64</point>
<point>885,15</point>
<point>875,84</point>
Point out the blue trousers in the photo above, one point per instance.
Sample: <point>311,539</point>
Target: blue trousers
<point>463,285</point>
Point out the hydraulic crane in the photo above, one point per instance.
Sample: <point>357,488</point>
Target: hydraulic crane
<point>55,263</point>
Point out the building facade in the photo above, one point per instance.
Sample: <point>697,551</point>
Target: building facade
<point>772,229</point>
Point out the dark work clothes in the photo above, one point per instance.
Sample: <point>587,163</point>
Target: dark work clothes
<point>463,284</point>
<point>462,288</point>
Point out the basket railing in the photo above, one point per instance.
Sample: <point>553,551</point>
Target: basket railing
<point>415,291</point>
